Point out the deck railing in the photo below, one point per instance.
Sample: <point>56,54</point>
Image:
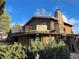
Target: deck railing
<point>35,31</point>
<point>28,29</point>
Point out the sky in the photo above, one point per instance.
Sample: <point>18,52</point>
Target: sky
<point>22,10</point>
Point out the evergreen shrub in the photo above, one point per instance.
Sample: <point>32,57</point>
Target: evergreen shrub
<point>15,51</point>
<point>52,50</point>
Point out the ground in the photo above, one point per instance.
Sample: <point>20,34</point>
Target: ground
<point>74,55</point>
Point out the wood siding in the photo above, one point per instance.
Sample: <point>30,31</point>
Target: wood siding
<point>23,39</point>
<point>68,29</point>
<point>45,39</point>
<point>39,21</point>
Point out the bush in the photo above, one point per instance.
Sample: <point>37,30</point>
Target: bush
<point>55,51</point>
<point>52,50</point>
<point>36,50</point>
<point>15,51</point>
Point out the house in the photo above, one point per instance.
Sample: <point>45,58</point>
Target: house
<point>43,28</point>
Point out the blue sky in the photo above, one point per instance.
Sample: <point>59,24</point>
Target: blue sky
<point>22,10</point>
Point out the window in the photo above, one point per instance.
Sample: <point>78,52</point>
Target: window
<point>56,27</point>
<point>64,29</point>
<point>26,28</point>
<point>41,27</point>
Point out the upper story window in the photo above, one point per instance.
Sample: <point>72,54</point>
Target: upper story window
<point>26,28</point>
<point>64,29</point>
<point>57,27</point>
<point>41,27</point>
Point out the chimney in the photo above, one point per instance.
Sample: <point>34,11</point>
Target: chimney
<point>60,23</point>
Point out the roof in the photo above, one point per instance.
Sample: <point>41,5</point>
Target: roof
<point>48,17</point>
<point>45,17</point>
<point>51,17</point>
<point>66,20</point>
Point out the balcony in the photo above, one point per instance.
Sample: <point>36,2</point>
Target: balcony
<point>30,31</point>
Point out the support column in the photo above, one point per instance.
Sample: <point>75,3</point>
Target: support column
<point>37,37</point>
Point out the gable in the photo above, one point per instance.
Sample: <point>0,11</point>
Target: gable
<point>43,18</point>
